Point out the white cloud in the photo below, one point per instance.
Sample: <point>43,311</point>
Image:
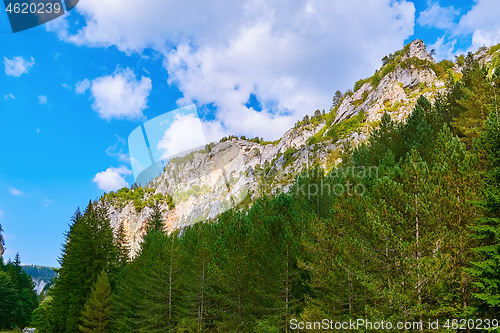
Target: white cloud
<point>38,130</point>
<point>112,179</point>
<point>438,17</point>
<point>42,99</point>
<point>291,56</point>
<point>67,86</point>
<point>47,202</point>
<point>120,95</point>
<point>82,86</point>
<point>9,96</point>
<point>480,25</point>
<point>184,133</point>
<point>444,50</point>
<point>482,21</point>
<point>117,150</point>
<point>15,191</point>
<point>17,66</point>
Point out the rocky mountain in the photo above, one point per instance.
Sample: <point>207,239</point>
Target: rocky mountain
<point>42,276</point>
<point>235,171</point>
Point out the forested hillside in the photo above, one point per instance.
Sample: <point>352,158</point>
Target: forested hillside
<point>405,229</point>
<point>18,298</point>
<point>42,276</point>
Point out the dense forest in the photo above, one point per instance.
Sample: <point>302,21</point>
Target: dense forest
<point>413,236</point>
<point>18,298</point>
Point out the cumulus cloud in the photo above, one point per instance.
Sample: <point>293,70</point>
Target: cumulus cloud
<point>120,95</point>
<point>17,66</point>
<point>290,56</point>
<point>15,191</point>
<point>82,86</point>
<point>444,50</point>
<point>9,96</point>
<point>117,150</point>
<point>42,99</point>
<point>112,179</point>
<point>482,21</point>
<point>438,17</point>
<point>478,27</point>
<point>184,133</point>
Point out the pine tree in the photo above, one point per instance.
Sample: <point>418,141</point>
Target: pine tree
<point>9,302</point>
<point>89,249</point>
<point>476,101</point>
<point>2,242</point>
<point>486,269</point>
<point>156,218</point>
<point>28,299</point>
<point>97,311</point>
<point>122,245</point>
<point>42,318</point>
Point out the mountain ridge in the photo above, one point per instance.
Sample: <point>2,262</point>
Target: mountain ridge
<point>235,171</point>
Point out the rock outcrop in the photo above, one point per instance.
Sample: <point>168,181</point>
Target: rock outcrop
<point>398,89</point>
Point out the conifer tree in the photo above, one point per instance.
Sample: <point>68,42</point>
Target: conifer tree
<point>486,269</point>
<point>97,311</point>
<point>476,101</point>
<point>156,218</point>
<point>89,249</point>
<point>9,302</point>
<point>2,242</point>
<point>122,245</point>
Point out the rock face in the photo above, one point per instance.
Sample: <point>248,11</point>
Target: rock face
<point>398,89</point>
<point>203,185</point>
<point>417,49</point>
<point>235,172</point>
<point>39,285</point>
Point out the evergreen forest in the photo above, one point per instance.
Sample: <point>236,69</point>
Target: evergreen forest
<point>417,240</point>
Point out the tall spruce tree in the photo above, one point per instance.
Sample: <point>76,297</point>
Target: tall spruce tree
<point>477,93</point>
<point>10,308</point>
<point>2,242</point>
<point>97,311</point>
<point>486,269</point>
<point>89,249</point>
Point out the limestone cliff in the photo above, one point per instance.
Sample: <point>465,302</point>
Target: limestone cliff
<point>399,89</point>
<point>233,173</point>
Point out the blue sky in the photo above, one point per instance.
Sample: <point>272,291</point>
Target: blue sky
<point>72,91</point>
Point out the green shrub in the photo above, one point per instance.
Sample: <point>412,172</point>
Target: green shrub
<point>357,102</point>
<point>394,107</point>
<point>375,79</point>
<point>493,49</point>
<point>388,68</point>
<point>360,83</point>
<point>423,63</point>
<point>446,64</point>
<point>139,196</point>
<point>341,130</point>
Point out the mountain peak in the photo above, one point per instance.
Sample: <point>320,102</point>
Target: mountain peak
<point>416,49</point>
